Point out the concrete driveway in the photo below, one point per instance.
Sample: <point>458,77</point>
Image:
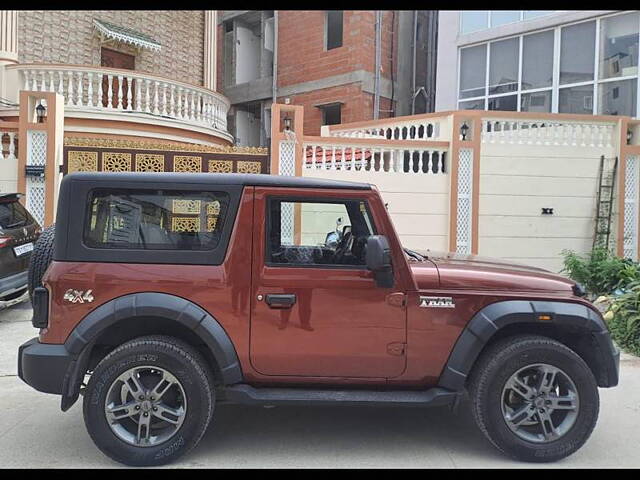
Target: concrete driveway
<point>35,433</point>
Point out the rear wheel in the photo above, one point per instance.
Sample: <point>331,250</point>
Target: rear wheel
<point>534,398</point>
<point>149,401</point>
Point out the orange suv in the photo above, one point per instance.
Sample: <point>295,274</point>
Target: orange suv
<point>163,295</point>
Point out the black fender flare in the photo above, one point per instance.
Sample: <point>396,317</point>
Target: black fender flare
<point>485,323</point>
<point>146,304</point>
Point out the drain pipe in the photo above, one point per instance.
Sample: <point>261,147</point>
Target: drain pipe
<point>376,86</point>
<point>413,63</point>
<point>274,86</point>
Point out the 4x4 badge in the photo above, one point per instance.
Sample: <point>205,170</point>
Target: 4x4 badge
<point>78,296</point>
<point>437,302</point>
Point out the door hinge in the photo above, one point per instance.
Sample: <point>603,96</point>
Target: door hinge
<point>397,299</point>
<point>396,349</point>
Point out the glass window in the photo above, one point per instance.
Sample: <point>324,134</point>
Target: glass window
<point>474,20</point>
<point>619,46</point>
<point>318,233</point>
<point>473,67</point>
<point>502,17</point>
<point>536,102</point>
<point>577,52</point>
<point>617,98</point>
<point>13,215</point>
<point>528,14</point>
<point>334,29</point>
<point>576,100</point>
<point>537,60</point>
<point>508,103</point>
<point>155,219</point>
<point>472,105</point>
<point>503,68</point>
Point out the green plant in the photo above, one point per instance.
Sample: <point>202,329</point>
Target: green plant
<point>600,271</point>
<point>623,317</point>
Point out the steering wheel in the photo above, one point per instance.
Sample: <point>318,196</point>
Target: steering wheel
<point>345,245</point>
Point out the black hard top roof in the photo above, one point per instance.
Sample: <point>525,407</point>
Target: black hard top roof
<point>249,179</point>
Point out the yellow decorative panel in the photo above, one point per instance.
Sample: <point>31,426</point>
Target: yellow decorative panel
<point>149,162</point>
<point>185,224</point>
<point>249,167</point>
<point>213,208</point>
<point>187,163</point>
<point>211,223</point>
<point>220,166</point>
<point>116,162</point>
<point>82,161</point>
<point>188,207</point>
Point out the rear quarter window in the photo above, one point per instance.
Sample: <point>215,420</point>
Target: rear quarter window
<point>155,219</point>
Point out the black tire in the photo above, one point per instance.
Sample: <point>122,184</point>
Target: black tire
<point>182,361</point>
<point>496,366</point>
<point>41,258</point>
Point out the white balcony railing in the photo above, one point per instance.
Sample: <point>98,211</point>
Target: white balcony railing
<point>550,131</point>
<point>327,153</point>
<point>107,90</point>
<point>396,128</point>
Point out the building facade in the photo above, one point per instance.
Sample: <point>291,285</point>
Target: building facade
<point>115,91</point>
<point>576,62</point>
<point>343,66</point>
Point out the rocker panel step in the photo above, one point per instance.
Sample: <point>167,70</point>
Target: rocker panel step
<point>247,395</point>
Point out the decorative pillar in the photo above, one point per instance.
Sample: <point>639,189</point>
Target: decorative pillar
<point>464,163</point>
<point>210,35</point>
<point>286,159</point>
<point>41,150</point>
<point>631,216</point>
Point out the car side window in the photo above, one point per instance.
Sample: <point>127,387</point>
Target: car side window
<point>306,232</point>
<point>155,219</point>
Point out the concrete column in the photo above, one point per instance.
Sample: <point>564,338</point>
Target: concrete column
<point>8,37</point>
<point>210,35</point>
<point>8,50</point>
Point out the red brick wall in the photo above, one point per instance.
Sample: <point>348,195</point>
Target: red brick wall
<point>302,56</point>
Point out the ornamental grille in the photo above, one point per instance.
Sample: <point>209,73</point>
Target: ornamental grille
<point>286,166</point>
<point>35,186</point>
<point>632,177</point>
<point>463,222</point>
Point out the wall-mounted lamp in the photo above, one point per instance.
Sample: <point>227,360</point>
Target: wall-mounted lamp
<point>629,136</point>
<point>287,123</point>
<point>41,112</point>
<point>464,129</point>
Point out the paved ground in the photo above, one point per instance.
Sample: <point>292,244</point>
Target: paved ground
<point>35,433</point>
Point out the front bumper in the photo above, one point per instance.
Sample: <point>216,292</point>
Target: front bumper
<point>43,366</point>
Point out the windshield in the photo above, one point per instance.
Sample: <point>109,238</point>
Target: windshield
<point>13,215</point>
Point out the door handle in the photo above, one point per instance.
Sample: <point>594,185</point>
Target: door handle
<point>280,300</point>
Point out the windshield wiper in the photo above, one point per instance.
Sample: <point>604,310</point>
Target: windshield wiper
<point>415,255</point>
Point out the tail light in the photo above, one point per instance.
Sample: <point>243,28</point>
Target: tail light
<point>4,241</point>
<point>38,231</point>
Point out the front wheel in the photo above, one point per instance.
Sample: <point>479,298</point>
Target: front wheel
<point>534,398</point>
<point>149,401</point>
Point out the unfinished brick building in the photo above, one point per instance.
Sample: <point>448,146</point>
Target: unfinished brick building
<point>342,66</point>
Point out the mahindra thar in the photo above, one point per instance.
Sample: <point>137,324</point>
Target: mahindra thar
<point>160,295</point>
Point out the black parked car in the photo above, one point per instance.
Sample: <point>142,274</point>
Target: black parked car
<point>18,233</point>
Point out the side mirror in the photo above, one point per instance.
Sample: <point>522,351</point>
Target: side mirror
<point>378,258</point>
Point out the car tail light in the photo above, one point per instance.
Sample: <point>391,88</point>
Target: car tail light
<point>4,241</point>
<point>38,231</point>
